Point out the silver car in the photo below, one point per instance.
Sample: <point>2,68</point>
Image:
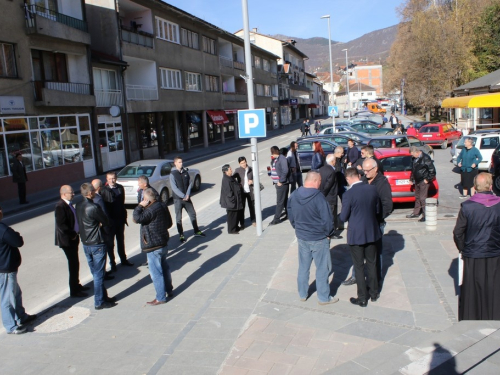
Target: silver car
<point>158,172</point>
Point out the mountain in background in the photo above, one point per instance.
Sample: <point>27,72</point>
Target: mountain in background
<point>372,47</point>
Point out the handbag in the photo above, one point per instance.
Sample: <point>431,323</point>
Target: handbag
<point>261,186</point>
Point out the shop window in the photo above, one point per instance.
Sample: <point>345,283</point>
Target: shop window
<point>86,143</point>
<point>67,121</point>
<point>147,130</point>
<point>19,142</point>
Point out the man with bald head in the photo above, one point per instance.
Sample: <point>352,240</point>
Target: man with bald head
<point>67,238</point>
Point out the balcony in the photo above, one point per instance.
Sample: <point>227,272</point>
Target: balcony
<point>239,65</point>
<point>63,94</point>
<point>234,96</point>
<point>141,38</point>
<point>108,98</point>
<point>139,92</point>
<point>43,21</point>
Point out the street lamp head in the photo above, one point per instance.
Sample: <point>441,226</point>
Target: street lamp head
<point>327,16</point>
<point>345,49</point>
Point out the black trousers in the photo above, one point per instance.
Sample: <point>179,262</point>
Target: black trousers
<point>281,200</point>
<point>421,192</point>
<point>360,254</point>
<point>118,233</point>
<point>233,217</point>
<point>179,204</point>
<point>21,191</point>
<point>247,198</point>
<point>334,209</point>
<point>73,268</point>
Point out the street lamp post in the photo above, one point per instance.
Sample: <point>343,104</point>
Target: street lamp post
<point>331,69</point>
<point>347,82</point>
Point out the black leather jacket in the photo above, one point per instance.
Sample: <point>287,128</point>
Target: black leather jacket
<point>423,169</point>
<point>90,217</point>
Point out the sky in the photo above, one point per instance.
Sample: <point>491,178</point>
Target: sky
<point>349,20</point>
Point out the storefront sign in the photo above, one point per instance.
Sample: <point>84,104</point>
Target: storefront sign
<point>294,101</point>
<point>11,105</point>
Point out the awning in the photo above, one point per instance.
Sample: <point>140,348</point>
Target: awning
<point>313,106</point>
<point>473,101</point>
<point>218,117</point>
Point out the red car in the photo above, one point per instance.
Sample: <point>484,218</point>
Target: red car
<point>438,134</point>
<point>397,168</point>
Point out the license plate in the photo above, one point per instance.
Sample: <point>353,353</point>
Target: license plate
<point>427,135</point>
<point>402,182</point>
<point>129,188</point>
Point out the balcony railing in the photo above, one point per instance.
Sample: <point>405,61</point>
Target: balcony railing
<point>108,98</point>
<point>31,11</point>
<point>137,37</point>
<point>226,61</point>
<point>231,96</point>
<point>75,88</point>
<point>239,65</point>
<point>138,92</point>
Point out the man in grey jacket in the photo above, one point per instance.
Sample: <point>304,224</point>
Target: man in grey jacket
<point>280,174</point>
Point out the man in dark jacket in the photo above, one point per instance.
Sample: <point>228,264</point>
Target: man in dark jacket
<point>181,185</point>
<point>311,217</point>
<point>352,154</point>
<point>13,314</point>
<point>107,231</point>
<point>422,173</point>
<point>67,238</point>
<point>477,236</point>
<point>329,187</point>
<point>143,184</point>
<point>244,175</point>
<point>361,207</point>
<point>367,152</point>
<point>90,220</point>
<point>155,221</point>
<point>280,174</point>
<point>114,198</point>
<point>231,199</point>
<point>20,177</point>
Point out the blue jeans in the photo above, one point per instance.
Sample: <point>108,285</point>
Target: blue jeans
<point>320,252</point>
<point>96,258</point>
<point>11,299</point>
<point>160,273</point>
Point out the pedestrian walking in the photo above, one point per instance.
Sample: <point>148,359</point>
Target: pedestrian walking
<point>393,120</point>
<point>312,220</point>
<point>14,317</point>
<point>231,199</point>
<point>422,173</point>
<point>468,161</point>
<point>155,220</point>
<point>67,238</point>
<point>181,185</point>
<point>317,127</point>
<point>477,236</point>
<point>303,129</point>
<point>91,219</point>
<point>318,159</point>
<point>329,188</point>
<point>20,177</point>
<point>244,175</point>
<point>361,207</point>
<point>307,128</point>
<point>280,174</point>
<point>295,168</point>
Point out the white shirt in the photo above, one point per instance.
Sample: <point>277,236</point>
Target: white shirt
<point>246,187</point>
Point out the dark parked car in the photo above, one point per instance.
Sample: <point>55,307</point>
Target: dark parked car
<point>370,128</point>
<point>401,140</point>
<point>338,138</point>
<point>305,150</point>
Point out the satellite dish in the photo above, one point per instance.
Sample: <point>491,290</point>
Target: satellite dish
<point>114,111</point>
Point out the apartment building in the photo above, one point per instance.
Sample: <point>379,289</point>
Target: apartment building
<point>46,93</point>
<point>366,73</point>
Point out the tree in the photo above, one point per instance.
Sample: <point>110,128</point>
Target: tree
<point>487,42</point>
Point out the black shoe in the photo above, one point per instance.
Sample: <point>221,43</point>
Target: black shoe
<point>108,277</point>
<point>17,331</point>
<point>127,263</point>
<point>83,288</point>
<point>412,216</point>
<point>110,299</point>
<point>374,299</point>
<point>79,294</point>
<point>357,301</point>
<point>182,238</point>
<point>242,227</point>
<point>29,318</point>
<point>199,234</point>
<point>105,305</point>
<point>421,220</point>
<point>350,281</point>
<point>170,295</point>
<point>274,222</point>
<point>113,268</point>
<point>335,237</point>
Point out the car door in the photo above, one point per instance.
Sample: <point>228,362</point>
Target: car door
<point>486,147</point>
<point>305,152</point>
<point>164,178</point>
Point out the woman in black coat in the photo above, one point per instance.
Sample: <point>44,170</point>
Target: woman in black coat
<point>244,175</point>
<point>231,199</point>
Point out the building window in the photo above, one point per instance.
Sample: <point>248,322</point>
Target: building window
<point>171,79</point>
<point>257,62</point>
<point>259,89</point>
<point>265,65</point>
<point>211,83</point>
<point>267,90</point>
<point>7,61</point>
<point>193,81</point>
<point>104,79</point>
<point>208,45</point>
<point>190,39</point>
<point>167,30</point>
<point>370,93</point>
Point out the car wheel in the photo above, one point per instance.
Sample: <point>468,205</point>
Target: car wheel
<point>164,195</point>
<point>497,182</point>
<point>444,145</point>
<point>197,183</point>
<point>76,158</point>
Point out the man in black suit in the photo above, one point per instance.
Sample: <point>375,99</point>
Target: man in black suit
<point>20,177</point>
<point>67,238</point>
<point>106,229</point>
<point>361,208</point>
<point>329,187</point>
<point>114,198</point>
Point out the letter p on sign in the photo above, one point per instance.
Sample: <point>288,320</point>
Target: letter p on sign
<point>252,123</point>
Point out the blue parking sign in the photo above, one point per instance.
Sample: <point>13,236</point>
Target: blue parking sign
<point>333,111</point>
<point>252,123</point>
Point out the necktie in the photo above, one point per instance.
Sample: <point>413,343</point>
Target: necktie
<point>76,228</point>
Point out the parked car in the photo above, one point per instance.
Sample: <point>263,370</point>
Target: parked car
<point>402,140</point>
<point>485,143</point>
<point>360,137</point>
<point>338,138</point>
<point>397,168</point>
<point>158,172</point>
<point>418,124</point>
<point>377,119</point>
<point>495,168</point>
<point>305,150</point>
<point>370,129</point>
<point>340,128</point>
<point>438,134</point>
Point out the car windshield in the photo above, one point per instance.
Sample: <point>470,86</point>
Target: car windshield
<point>460,143</point>
<point>396,163</point>
<point>430,129</point>
<point>134,171</point>
<point>381,143</point>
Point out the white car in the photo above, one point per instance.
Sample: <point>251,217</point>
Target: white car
<point>485,142</point>
<point>158,172</point>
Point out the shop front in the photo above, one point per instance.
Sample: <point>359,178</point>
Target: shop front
<point>111,142</point>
